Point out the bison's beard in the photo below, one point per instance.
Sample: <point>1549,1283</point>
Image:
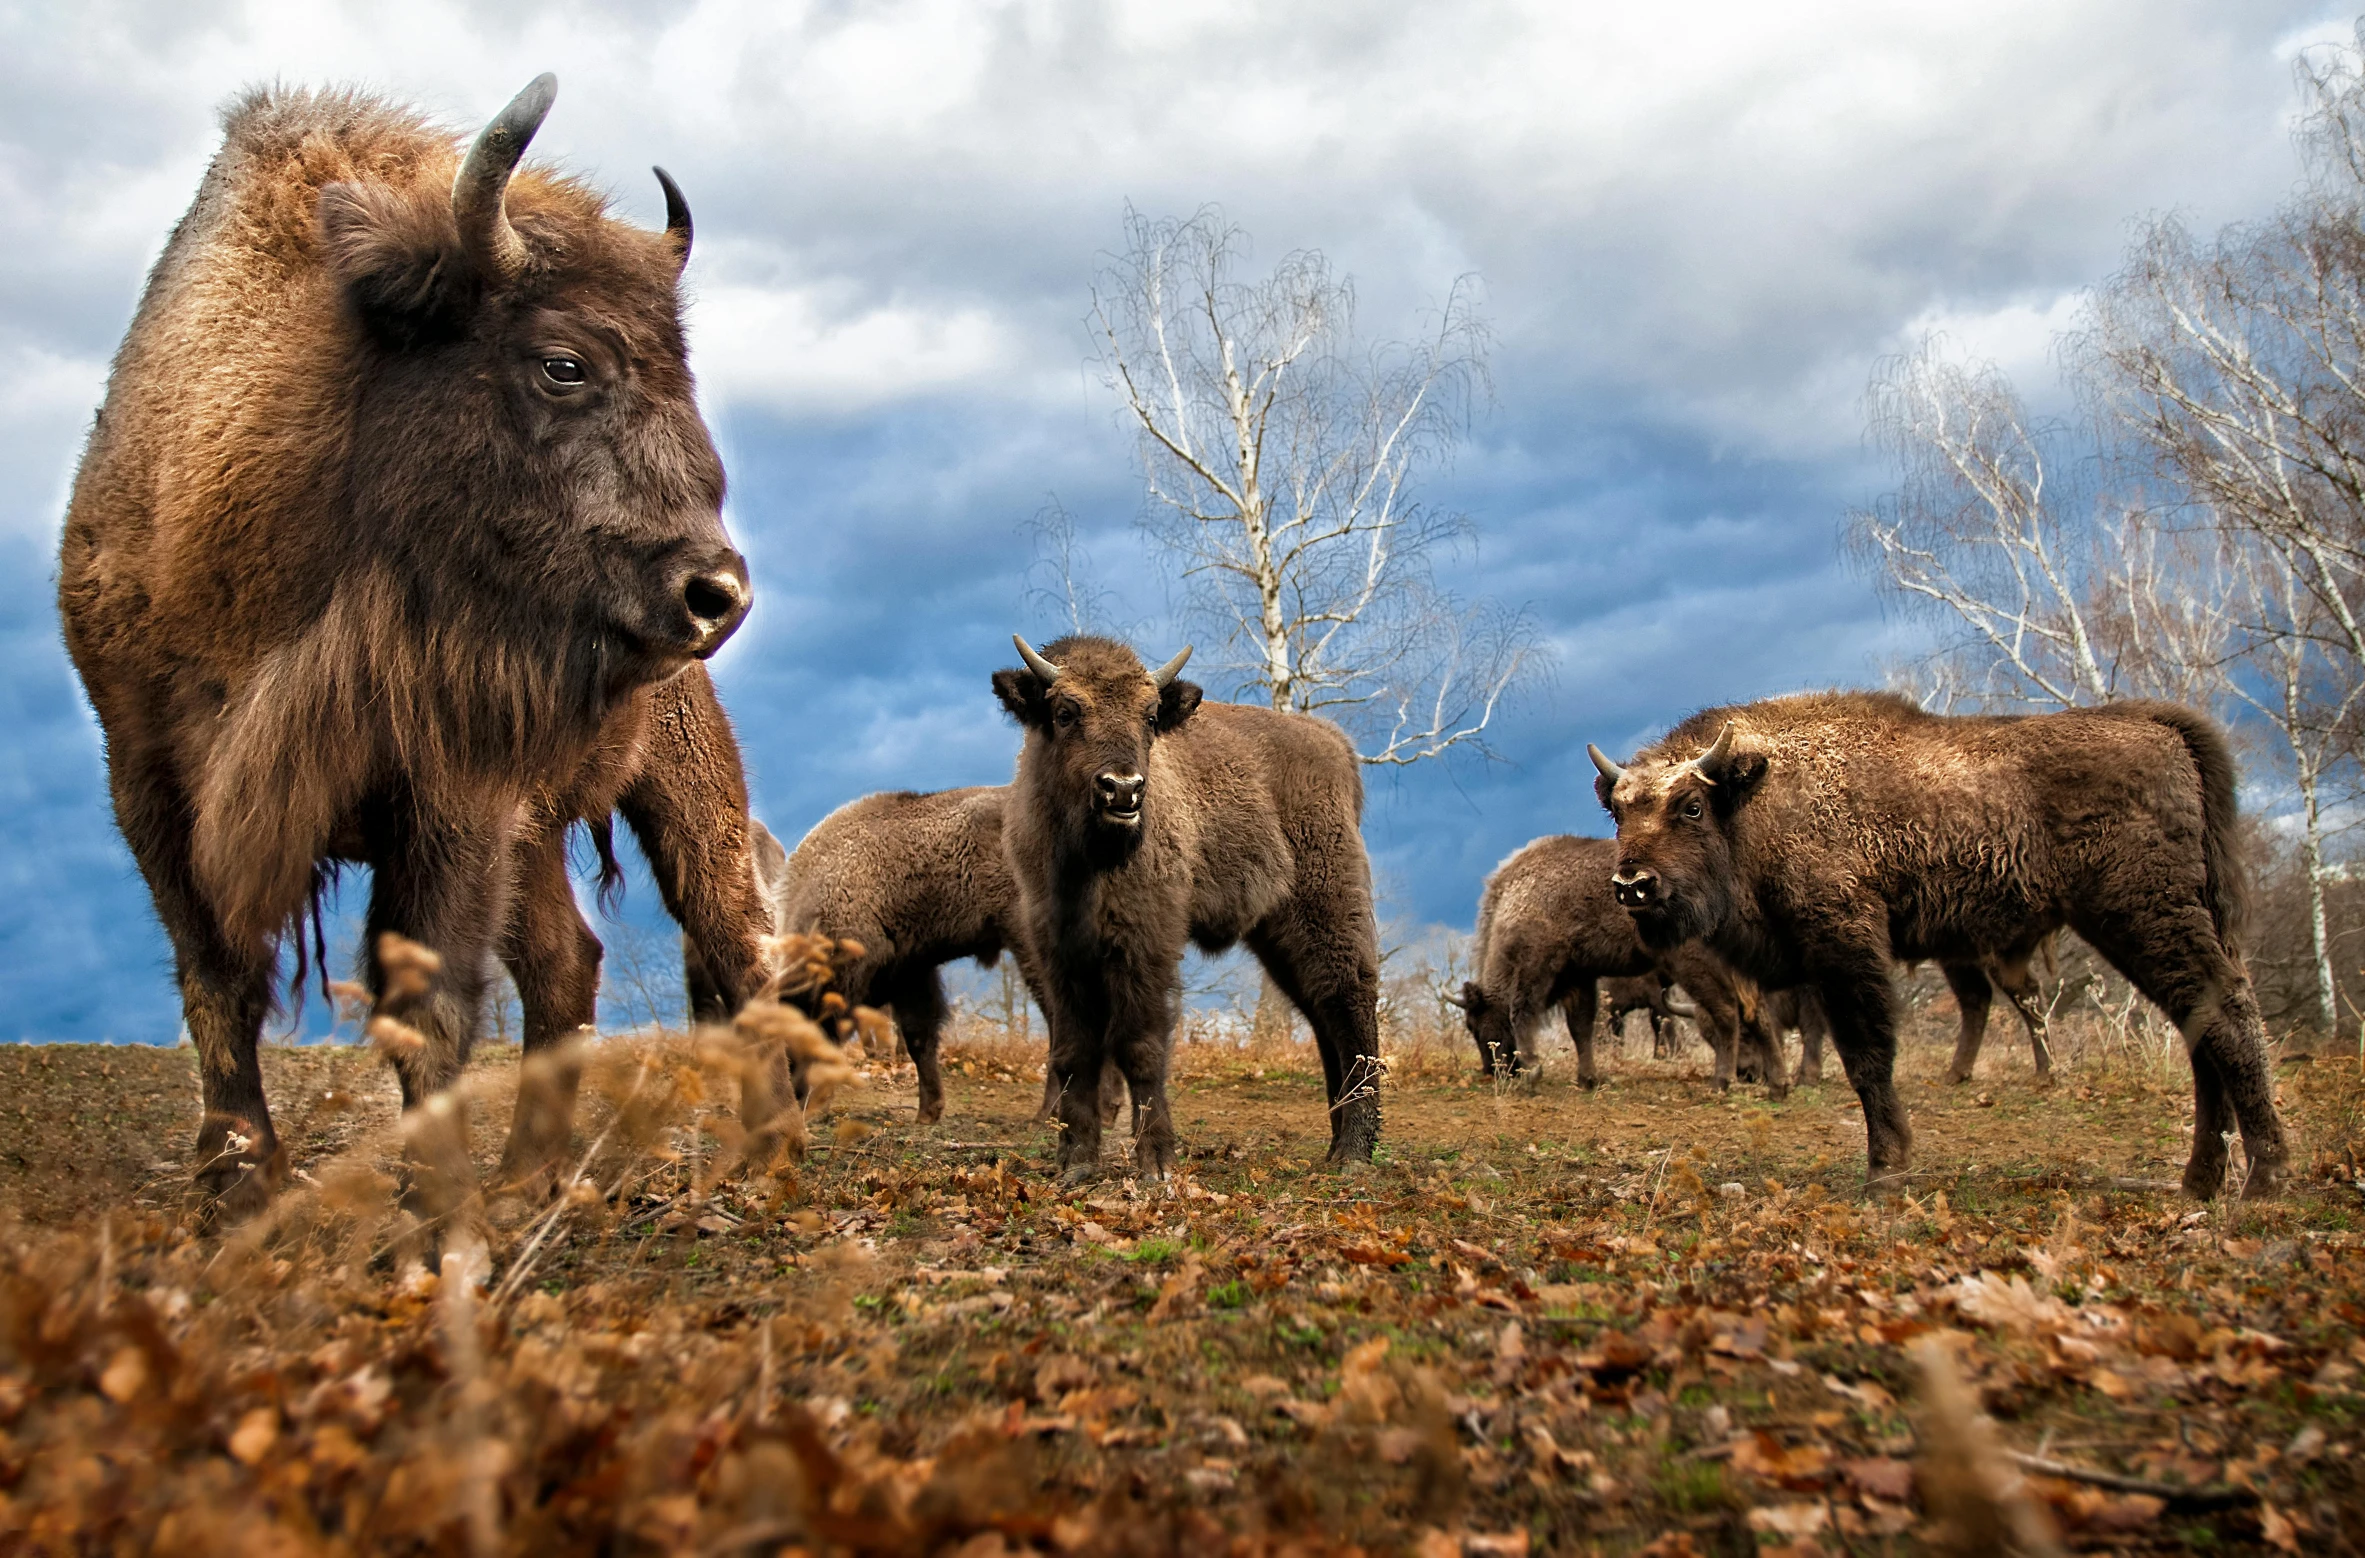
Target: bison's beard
<point>1679,918</point>
<point>1109,845</point>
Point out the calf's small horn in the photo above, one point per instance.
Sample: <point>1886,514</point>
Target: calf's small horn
<point>1044,670</point>
<point>479,193</point>
<point>677,217</point>
<point>1609,770</point>
<point>1171,669</point>
<point>1708,762</point>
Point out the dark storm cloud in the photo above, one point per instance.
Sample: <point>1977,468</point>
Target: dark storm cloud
<point>1695,230</point>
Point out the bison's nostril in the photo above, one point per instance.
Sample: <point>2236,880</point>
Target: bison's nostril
<point>713,597</point>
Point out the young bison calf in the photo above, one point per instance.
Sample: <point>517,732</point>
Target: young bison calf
<point>1824,837</point>
<point>1143,820</point>
<point>916,881</point>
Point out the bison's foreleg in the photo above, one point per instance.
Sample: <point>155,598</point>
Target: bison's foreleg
<point>225,993</point>
<point>439,899</point>
<point>1864,1031</point>
<point>1812,1030</point>
<point>1077,1013</point>
<point>1582,1009</point>
<point>554,959</point>
<point>2019,984</point>
<point>1972,998</point>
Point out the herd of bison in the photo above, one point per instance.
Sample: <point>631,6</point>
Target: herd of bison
<point>398,543</point>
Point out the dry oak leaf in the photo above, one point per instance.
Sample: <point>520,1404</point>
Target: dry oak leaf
<point>1884,1477</point>
<point>1762,1455</point>
<point>2010,1305</point>
<point>1790,1519</point>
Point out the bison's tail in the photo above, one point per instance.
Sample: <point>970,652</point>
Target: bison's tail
<point>611,872</point>
<point>2227,886</point>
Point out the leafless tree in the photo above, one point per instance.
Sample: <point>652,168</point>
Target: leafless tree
<point>1282,458</point>
<point>2056,595</point>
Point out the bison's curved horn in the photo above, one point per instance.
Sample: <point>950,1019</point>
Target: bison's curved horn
<point>677,216</point>
<point>1712,761</point>
<point>1171,669</point>
<point>1044,670</point>
<point>1609,770</point>
<point>478,193</point>
<point>1446,994</point>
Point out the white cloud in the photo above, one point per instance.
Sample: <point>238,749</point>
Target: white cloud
<point>808,351</point>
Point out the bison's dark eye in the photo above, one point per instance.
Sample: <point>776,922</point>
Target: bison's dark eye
<point>1063,716</point>
<point>563,370</point>
<point>1691,808</point>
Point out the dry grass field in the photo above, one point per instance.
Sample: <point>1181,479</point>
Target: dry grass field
<point>1645,1319</point>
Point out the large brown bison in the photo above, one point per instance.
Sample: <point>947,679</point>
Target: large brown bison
<point>1549,930</point>
<point>398,542</point>
<point>1142,820</point>
<point>1823,837</point>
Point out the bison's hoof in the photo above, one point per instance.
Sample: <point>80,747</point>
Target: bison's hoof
<point>2266,1179</point>
<point>930,1113</point>
<point>1588,1082</point>
<point>1958,1078</point>
<point>1811,1077</point>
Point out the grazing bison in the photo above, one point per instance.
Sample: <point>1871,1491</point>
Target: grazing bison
<point>1142,819</point>
<point>398,541</point>
<point>1548,930</point>
<point>1823,837</point>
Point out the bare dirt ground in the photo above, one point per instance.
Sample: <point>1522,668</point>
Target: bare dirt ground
<point>1651,1317</point>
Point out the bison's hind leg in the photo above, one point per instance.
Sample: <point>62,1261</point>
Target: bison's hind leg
<point>2176,960</point>
<point>1581,1009</point>
<point>916,995</point>
<point>225,997</point>
<point>1330,974</point>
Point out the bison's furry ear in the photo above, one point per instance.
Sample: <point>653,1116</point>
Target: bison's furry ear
<point>1021,693</point>
<point>1601,790</point>
<point>1742,771</point>
<point>400,261</point>
<point>1473,998</point>
<point>1177,702</point>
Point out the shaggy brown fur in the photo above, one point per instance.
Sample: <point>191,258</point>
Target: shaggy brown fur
<point>1548,932</point>
<point>1835,834</point>
<point>1142,820</point>
<point>397,541</point>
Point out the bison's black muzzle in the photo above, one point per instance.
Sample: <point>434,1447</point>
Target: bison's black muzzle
<point>1636,889</point>
<point>713,596</point>
<point>1120,797</point>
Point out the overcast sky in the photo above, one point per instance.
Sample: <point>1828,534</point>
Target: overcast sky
<point>1696,230</point>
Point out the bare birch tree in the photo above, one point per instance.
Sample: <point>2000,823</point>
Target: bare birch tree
<point>2055,595</point>
<point>1282,459</point>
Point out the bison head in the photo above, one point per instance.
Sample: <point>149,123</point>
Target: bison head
<point>1489,1023</point>
<point>524,447</point>
<point>1674,814</point>
<point>1091,714</point>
